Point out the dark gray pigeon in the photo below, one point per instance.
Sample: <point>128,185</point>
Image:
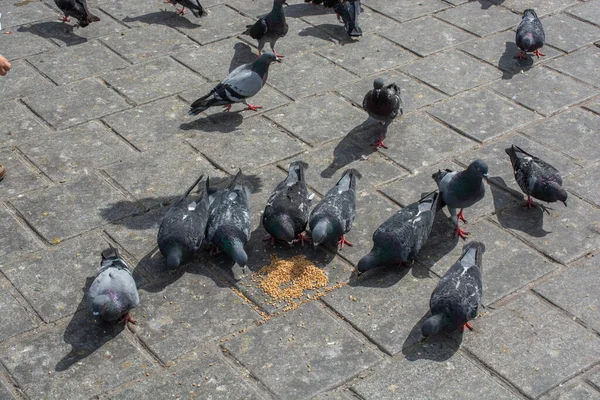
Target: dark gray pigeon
<point>455,300</point>
<point>269,28</point>
<point>182,229</point>
<point>530,35</point>
<point>242,83</point>
<point>383,103</point>
<point>113,293</point>
<point>193,5</point>
<point>77,9</point>
<point>461,190</point>
<point>399,239</point>
<point>228,227</point>
<point>288,207</point>
<point>332,218</point>
<point>536,177</point>
<point>347,12</point>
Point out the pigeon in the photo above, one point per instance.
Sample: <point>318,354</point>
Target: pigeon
<point>182,229</point>
<point>193,5</point>
<point>288,207</point>
<point>530,35</point>
<point>269,28</point>
<point>461,190</point>
<point>113,292</point>
<point>455,300</point>
<point>383,103</point>
<point>347,12</point>
<point>332,218</point>
<point>77,9</point>
<point>242,83</point>
<point>228,228</point>
<point>399,239</point>
<point>536,177</point>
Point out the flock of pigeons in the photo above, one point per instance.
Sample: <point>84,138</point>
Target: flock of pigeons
<point>221,219</point>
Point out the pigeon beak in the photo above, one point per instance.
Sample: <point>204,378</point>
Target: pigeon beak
<point>95,313</point>
<point>486,177</point>
<point>278,60</point>
<point>565,203</point>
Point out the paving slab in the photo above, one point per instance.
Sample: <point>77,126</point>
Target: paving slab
<point>584,183</point>
<point>465,73</point>
<point>588,11</point>
<point>300,354</point>
<point>69,105</point>
<point>20,176</point>
<point>223,22</point>
<point>71,208</point>
<point>22,43</point>
<point>594,378</point>
<point>582,65</point>
<point>562,348</point>
<point>541,7</point>
<point>405,11</point>
<point>480,17</point>
<point>333,395</point>
<point>22,81</point>
<point>19,13</point>
<point>19,239</point>
<point>568,33</point>
<point>427,35</point>
<point>12,313</point>
<point>593,106</point>
<point>5,392</point>
<point>138,15</point>
<point>577,392</point>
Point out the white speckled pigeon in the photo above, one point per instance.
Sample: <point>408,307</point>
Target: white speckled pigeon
<point>461,190</point>
<point>269,28</point>
<point>193,5</point>
<point>399,239</point>
<point>455,300</point>
<point>242,83</point>
<point>383,103</point>
<point>347,12</point>
<point>182,229</point>
<point>332,218</point>
<point>536,177</point>
<point>530,35</point>
<point>77,9</point>
<point>113,292</point>
<point>288,207</point>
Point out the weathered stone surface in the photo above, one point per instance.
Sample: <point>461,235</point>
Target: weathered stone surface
<point>427,35</point>
<point>13,314</point>
<point>138,15</point>
<point>585,184</point>
<point>406,11</point>
<point>5,392</point>
<point>481,18</point>
<point>577,392</point>
<point>588,11</point>
<point>18,124</point>
<point>21,43</point>
<point>18,13</point>
<point>561,349</point>
<point>594,378</point>
<point>223,22</point>
<point>301,38</point>
<point>20,176</point>
<point>307,349</point>
<point>582,65</point>
<point>69,105</point>
<point>569,34</point>
<point>21,81</point>
<point>18,240</point>
<point>333,395</point>
<point>541,7</point>
<point>593,106</point>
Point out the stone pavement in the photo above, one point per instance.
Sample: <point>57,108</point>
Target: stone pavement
<point>96,138</point>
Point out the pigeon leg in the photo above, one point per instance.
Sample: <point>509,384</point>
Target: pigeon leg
<point>468,325</point>
<point>65,19</point>
<point>269,238</point>
<point>529,202</point>
<point>339,18</point>
<point>180,12</point>
<point>227,107</point>
<point>214,250</point>
<point>380,144</point>
<point>253,107</point>
<point>522,55</point>
<point>460,216</point>
<point>127,318</point>
<point>462,233</point>
<point>537,53</point>
<point>303,238</point>
<point>343,241</point>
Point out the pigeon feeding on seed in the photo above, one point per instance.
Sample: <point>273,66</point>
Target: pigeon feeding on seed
<point>286,214</point>
<point>113,292</point>
<point>269,28</point>
<point>398,240</point>
<point>242,83</point>
<point>383,103</point>
<point>536,178</point>
<point>347,12</point>
<point>77,9</point>
<point>182,230</point>
<point>530,35</point>
<point>332,218</point>
<point>193,5</point>
<point>456,299</point>
<point>461,190</point>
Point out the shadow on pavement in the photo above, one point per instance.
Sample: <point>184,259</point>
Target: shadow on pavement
<point>511,66</point>
<point>381,277</point>
<point>436,347</point>
<point>223,122</point>
<point>243,55</point>
<point>55,30</point>
<point>165,17</point>
<point>442,241</point>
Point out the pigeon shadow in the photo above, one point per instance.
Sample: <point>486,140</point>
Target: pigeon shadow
<point>222,122</point>
<point>435,348</point>
<point>55,30</point>
<point>305,10</point>
<point>381,277</point>
<point>441,241</point>
<point>85,334</point>
<point>163,17</point>
<point>331,32</point>
<point>510,65</point>
<point>318,33</point>
<point>243,55</point>
<point>486,4</point>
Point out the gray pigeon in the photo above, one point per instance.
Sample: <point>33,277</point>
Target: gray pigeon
<point>193,5</point>
<point>269,28</point>
<point>332,218</point>
<point>455,300</point>
<point>461,190</point>
<point>536,177</point>
<point>228,227</point>
<point>288,207</point>
<point>530,35</point>
<point>182,229</point>
<point>77,9</point>
<point>383,103</point>
<point>399,239</point>
<point>113,293</point>
<point>242,83</point>
<point>347,12</point>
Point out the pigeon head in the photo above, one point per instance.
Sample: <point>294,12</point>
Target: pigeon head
<point>106,307</point>
<point>554,192</point>
<point>234,248</point>
<point>529,13</point>
<point>174,257</point>
<point>282,228</point>
<point>378,83</point>
<point>434,324</point>
<point>367,262</point>
<point>478,168</point>
<point>321,231</point>
<point>280,3</point>
<point>261,65</point>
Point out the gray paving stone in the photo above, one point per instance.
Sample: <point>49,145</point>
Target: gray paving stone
<point>19,13</point>
<point>158,78</point>
<point>577,392</point>
<point>67,154</point>
<point>569,34</point>
<point>573,291</point>
<point>582,128</point>
<point>20,177</point>
<point>588,11</point>
<point>582,65</point>
<point>18,241</point>
<point>224,22</point>
<point>66,210</point>
<point>5,392</point>
<point>258,8</point>
<point>561,349</point>
<point>369,55</point>
<point>465,73</point>
<point>150,42</point>
<point>482,115</point>
<point>20,43</point>
<point>543,90</point>
<point>306,348</point>
<point>318,119</point>
<point>18,124</point>
<point>595,378</point>
<point>68,105</point>
<point>333,395</point>
<point>138,15</point>
<point>21,81</point>
<point>541,7</point>
<point>12,313</point>
<point>585,184</point>
<point>480,17</point>
<point>296,76</point>
<point>427,35</point>
<point>594,106</point>
<point>405,11</point>
<point>71,356</point>
<point>77,62</point>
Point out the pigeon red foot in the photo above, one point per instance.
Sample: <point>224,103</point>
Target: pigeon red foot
<point>462,233</point>
<point>537,53</point>
<point>227,107</point>
<point>269,238</point>
<point>467,325</point>
<point>343,241</point>
<point>180,12</point>
<point>380,144</point>
<point>460,216</point>
<point>65,19</point>
<point>252,107</point>
<point>302,238</point>
<point>521,56</point>
<point>127,318</point>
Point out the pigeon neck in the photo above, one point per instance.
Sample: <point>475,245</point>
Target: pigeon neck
<point>277,10</point>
